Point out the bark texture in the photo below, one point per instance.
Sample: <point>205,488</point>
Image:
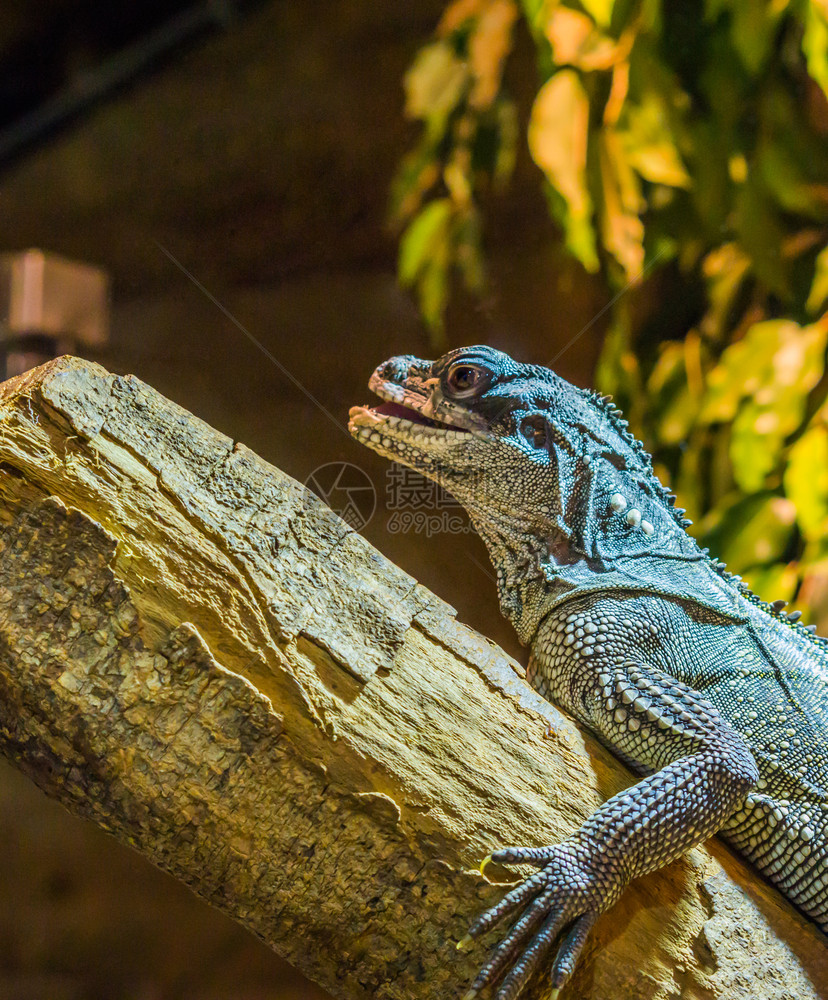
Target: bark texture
<point>203,659</point>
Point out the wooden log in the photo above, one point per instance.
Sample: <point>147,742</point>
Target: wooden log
<point>199,656</point>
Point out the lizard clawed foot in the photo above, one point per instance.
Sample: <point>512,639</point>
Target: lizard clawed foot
<point>564,897</point>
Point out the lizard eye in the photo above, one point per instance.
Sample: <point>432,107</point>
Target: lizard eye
<point>464,379</point>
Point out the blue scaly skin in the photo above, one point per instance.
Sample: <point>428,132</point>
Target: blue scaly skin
<point>717,698</point>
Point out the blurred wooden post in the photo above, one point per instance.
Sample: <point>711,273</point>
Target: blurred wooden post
<point>200,657</point>
<point>49,305</point>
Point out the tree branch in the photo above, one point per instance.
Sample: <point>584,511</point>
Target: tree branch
<point>200,657</point>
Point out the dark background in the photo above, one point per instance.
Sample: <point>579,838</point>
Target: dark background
<point>255,145</point>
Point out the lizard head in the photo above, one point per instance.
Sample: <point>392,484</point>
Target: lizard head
<point>472,421</point>
<point>547,471</point>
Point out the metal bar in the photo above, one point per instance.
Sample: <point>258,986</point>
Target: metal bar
<point>112,73</point>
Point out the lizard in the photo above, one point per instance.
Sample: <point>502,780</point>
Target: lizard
<point>716,698</point>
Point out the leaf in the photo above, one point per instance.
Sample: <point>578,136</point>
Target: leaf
<point>575,41</point>
<point>435,82</point>
<point>671,403</point>
<point>755,445</point>
<point>815,41</point>
<point>618,372</point>
<point>425,261</point>
<point>649,144</point>
<point>783,176</point>
<point>534,11</point>
<point>433,293</point>
<point>751,530</point>
<point>621,227</point>
<point>458,13</point>
<point>725,269</point>
<point>818,295</point>
<point>507,140</point>
<point>780,363</point>
<point>806,482</point>
<point>558,131</point>
<point>489,45</point>
<point>773,358</point>
<point>601,10</point>
<point>419,170</point>
<point>777,581</point>
<point>753,28</point>
<point>738,373</point>
<point>422,238</point>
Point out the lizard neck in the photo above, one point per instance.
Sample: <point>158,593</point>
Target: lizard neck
<point>603,519</point>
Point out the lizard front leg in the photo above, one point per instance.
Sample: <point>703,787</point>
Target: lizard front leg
<point>703,769</point>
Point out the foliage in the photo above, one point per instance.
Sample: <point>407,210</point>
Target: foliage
<point>684,138</point>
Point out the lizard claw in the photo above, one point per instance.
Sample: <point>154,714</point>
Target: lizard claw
<point>564,897</point>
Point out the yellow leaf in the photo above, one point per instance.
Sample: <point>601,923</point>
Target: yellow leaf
<point>488,47</point>
<point>575,41</point>
<point>725,269</point>
<point>806,481</point>
<point>457,13</point>
<point>815,42</point>
<point>621,226</point>
<point>649,144</point>
<point>435,82</point>
<point>601,10</point>
<point>819,287</point>
<point>558,135</point>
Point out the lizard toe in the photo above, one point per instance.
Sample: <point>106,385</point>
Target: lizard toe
<point>565,896</point>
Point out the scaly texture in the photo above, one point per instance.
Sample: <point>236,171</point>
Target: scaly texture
<point>718,698</point>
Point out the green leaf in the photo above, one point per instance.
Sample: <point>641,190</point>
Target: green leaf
<point>806,482</point>
<point>789,362</point>
<point>753,28</point>
<point>755,445</point>
<point>558,130</point>
<point>778,581</point>
<point>671,405</point>
<point>535,11</point>
<point>751,530</point>
<point>818,295</point>
<point>422,238</point>
<point>433,294</point>
<point>617,371</point>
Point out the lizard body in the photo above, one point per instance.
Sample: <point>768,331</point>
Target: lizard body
<point>719,700</point>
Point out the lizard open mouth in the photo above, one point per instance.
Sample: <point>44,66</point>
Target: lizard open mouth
<point>395,415</point>
<point>408,413</point>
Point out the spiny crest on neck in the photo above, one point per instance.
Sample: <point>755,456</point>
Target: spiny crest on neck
<point>615,416</point>
<point>773,608</point>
